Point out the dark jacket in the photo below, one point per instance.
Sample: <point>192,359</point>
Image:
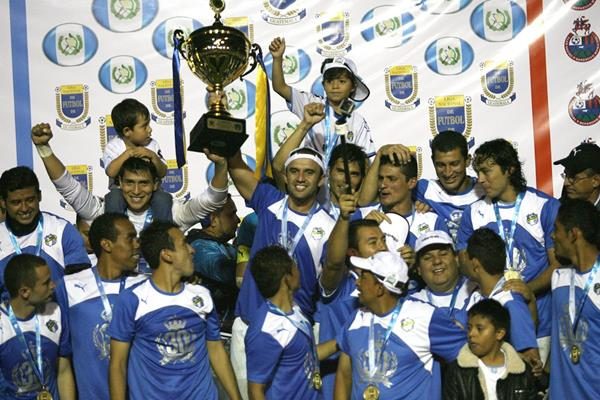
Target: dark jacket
<point>463,379</point>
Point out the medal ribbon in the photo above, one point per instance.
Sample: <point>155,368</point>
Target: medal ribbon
<point>38,243</point>
<point>103,296</point>
<point>37,368</point>
<point>452,299</point>
<point>508,237</point>
<point>373,362</point>
<point>284,226</point>
<point>330,138</point>
<point>575,313</point>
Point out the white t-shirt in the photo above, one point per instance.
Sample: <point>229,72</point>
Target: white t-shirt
<point>491,376</point>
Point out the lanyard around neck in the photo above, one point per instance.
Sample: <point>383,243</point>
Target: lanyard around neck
<point>38,367</point>
<point>38,243</point>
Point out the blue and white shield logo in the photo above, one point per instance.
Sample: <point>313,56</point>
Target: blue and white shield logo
<point>176,180</point>
<point>401,87</point>
<point>498,20</point>
<point>163,101</point>
<point>296,64</point>
<point>107,133</point>
<point>72,105</point>
<point>162,37</point>
<point>449,56</point>
<point>243,24</point>
<point>83,175</point>
<point>70,44</point>
<point>388,26</point>
<point>333,31</point>
<point>450,113</point>
<point>282,12</point>
<point>124,15</point>
<point>123,74</point>
<point>497,83</point>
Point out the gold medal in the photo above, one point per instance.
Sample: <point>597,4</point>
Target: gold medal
<point>575,354</point>
<point>512,274</point>
<point>317,382</point>
<point>44,394</point>
<point>371,393</point>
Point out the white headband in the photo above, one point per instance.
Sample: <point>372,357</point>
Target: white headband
<point>297,155</point>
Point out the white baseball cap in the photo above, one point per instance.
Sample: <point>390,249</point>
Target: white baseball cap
<point>387,266</point>
<point>362,91</point>
<point>433,237</point>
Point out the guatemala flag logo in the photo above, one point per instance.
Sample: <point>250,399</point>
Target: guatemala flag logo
<point>124,15</point>
<point>123,74</point>
<point>162,38</point>
<point>296,64</point>
<point>241,98</point>
<point>498,20</point>
<point>68,45</point>
<point>449,56</point>
<point>387,26</point>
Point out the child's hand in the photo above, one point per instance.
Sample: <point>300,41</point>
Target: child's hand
<point>41,134</point>
<point>141,152</point>
<point>277,47</point>
<point>313,113</point>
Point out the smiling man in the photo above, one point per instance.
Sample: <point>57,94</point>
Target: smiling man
<point>29,230</point>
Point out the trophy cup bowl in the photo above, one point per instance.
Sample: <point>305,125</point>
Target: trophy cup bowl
<point>218,55</point>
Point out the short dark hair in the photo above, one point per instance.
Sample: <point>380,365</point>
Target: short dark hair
<point>17,178</point>
<point>494,312</point>
<point>20,271</point>
<point>104,227</point>
<point>355,227</point>
<point>268,266</point>
<point>409,170</point>
<point>436,246</point>
<point>503,153</point>
<point>154,239</point>
<point>489,248</point>
<point>447,141</point>
<point>337,73</point>
<point>125,114</point>
<point>581,214</point>
<point>137,165</point>
<point>353,152</point>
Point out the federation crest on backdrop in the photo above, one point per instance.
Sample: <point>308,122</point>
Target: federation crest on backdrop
<point>580,5</point>
<point>282,12</point>
<point>241,96</point>
<point>82,174</point>
<point>161,94</point>
<point>449,55</point>
<point>582,44</point>
<point>70,44</point>
<point>124,15</point>
<point>123,74</point>
<point>497,82</point>
<point>584,107</point>
<point>107,133</point>
<point>283,124</point>
<point>162,37</point>
<point>498,20</point>
<point>176,180</point>
<point>72,106</point>
<point>387,26</point>
<point>296,64</point>
<point>401,87</point>
<point>243,24</point>
<point>333,32</point>
<point>451,113</point>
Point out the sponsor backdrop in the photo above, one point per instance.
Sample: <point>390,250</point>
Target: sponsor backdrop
<point>526,71</point>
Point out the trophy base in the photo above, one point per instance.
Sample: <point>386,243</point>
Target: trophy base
<point>220,134</point>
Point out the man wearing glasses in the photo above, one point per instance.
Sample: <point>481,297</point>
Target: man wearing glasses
<point>582,173</point>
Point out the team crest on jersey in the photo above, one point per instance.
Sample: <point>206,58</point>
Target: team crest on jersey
<point>597,288</point>
<point>580,5</point>
<point>582,44</point>
<point>123,74</point>
<point>282,12</point>
<point>177,344</point>
<point>333,31</point>
<point>176,180</point>
<point>442,6</point>
<point>163,101</point>
<point>72,107</point>
<point>124,15</point>
<point>283,124</point>
<point>423,227</point>
<point>50,239</point>
<point>82,174</point>
<point>532,219</point>
<point>198,301</point>
<point>387,26</point>
<point>52,325</point>
<point>387,362</point>
<point>402,87</point>
<point>243,24</point>
<point>317,233</point>
<point>407,324</point>
<point>449,55</point>
<point>584,107</point>
<point>70,44</point>
<point>162,37</point>
<point>296,64</point>
<point>497,83</point>
<point>451,113</point>
<point>498,20</point>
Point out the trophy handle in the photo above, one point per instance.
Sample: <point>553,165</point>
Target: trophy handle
<point>254,52</point>
<point>178,42</point>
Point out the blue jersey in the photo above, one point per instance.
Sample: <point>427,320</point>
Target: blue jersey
<point>405,369</point>
<point>61,245</point>
<point>19,378</point>
<point>448,206</point>
<point>79,297</point>
<point>279,355</point>
<point>569,380</point>
<point>168,358</point>
<point>532,238</point>
<point>268,202</point>
<point>522,329</point>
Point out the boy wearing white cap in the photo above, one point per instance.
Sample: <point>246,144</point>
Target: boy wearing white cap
<point>388,345</point>
<point>341,82</point>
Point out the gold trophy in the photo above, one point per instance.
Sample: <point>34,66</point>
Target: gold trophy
<point>218,55</point>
